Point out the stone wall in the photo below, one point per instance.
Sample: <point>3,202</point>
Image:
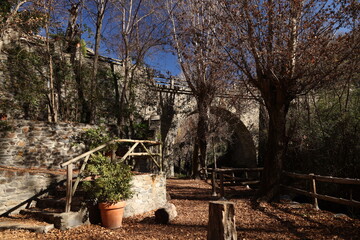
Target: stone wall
<point>18,185</point>
<point>39,144</point>
<point>149,194</point>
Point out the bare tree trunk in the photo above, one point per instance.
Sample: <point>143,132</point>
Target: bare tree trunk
<point>276,148</point>
<point>202,131</point>
<point>101,7</point>
<point>195,162</point>
<point>263,134</point>
<point>53,111</point>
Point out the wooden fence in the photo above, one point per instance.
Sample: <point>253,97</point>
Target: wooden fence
<point>227,177</point>
<point>313,193</point>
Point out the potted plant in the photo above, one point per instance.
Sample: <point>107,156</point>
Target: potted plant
<point>110,187</point>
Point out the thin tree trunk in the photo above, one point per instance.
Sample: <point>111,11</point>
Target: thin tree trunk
<point>52,100</point>
<point>195,162</point>
<point>101,7</point>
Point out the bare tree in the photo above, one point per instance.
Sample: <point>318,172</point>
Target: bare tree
<point>100,7</point>
<point>201,64</point>
<point>283,49</point>
<point>52,99</point>
<point>9,16</point>
<point>138,28</point>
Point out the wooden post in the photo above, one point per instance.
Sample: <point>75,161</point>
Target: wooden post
<point>113,155</point>
<point>79,175</point>
<point>233,177</point>
<point>161,162</point>
<point>213,183</point>
<point>69,171</point>
<point>313,190</point>
<point>221,224</point>
<point>247,178</point>
<point>222,191</point>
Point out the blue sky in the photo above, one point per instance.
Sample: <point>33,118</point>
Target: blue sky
<point>164,62</point>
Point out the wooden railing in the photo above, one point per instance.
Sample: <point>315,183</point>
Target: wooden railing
<point>227,177</point>
<point>328,179</point>
<point>70,188</point>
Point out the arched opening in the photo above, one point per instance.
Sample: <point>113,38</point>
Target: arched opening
<point>238,147</point>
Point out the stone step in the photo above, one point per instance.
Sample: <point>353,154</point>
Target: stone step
<point>23,225</point>
<point>41,214</point>
<point>61,220</point>
<point>55,203</point>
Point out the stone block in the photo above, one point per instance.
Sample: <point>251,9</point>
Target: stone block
<point>11,135</point>
<point>21,144</point>
<point>25,129</point>
<point>68,220</point>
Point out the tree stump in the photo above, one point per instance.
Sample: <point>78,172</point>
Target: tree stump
<point>221,224</point>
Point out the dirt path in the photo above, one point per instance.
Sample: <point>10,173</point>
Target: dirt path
<point>264,221</point>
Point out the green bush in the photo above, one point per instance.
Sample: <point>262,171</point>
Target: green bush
<point>111,181</point>
<point>94,137</point>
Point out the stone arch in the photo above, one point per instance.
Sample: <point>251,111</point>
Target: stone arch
<point>242,151</point>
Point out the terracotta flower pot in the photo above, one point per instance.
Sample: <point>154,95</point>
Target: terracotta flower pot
<point>112,214</point>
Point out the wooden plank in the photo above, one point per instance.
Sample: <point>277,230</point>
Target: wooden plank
<point>313,189</point>
<point>85,154</point>
<point>241,183</point>
<point>143,154</point>
<point>151,155</point>
<point>297,175</point>
<point>79,175</point>
<point>129,152</point>
<point>343,201</point>
<point>69,172</point>
<point>234,169</point>
<point>135,141</point>
<point>161,158</point>
<point>328,179</point>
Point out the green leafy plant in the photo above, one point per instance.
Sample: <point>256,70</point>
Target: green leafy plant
<point>94,137</point>
<point>111,181</point>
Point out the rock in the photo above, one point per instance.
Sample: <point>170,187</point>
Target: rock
<point>166,214</point>
<point>67,220</point>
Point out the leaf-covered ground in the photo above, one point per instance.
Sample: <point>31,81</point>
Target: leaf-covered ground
<point>191,197</point>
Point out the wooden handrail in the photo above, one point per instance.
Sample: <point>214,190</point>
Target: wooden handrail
<point>320,178</point>
<point>104,145</point>
<point>70,189</point>
<point>88,153</point>
<point>135,141</point>
<point>235,169</point>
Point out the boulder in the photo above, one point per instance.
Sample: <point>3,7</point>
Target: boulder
<point>166,214</point>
